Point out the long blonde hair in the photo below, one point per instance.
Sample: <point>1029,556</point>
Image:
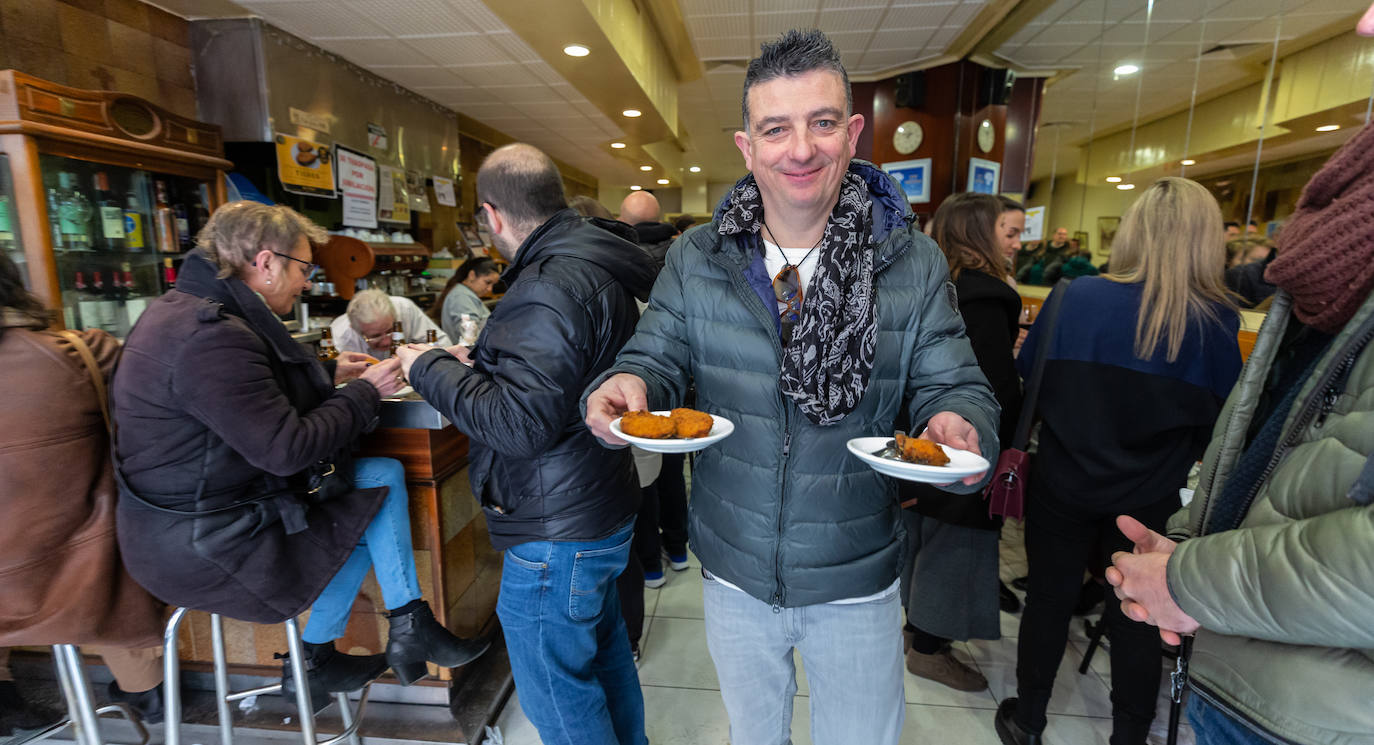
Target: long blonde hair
<point>1171,242</point>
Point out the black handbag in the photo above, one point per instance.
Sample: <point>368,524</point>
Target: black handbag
<point>328,479</point>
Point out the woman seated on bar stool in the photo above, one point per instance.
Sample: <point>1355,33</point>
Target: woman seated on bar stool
<point>239,495</point>
<point>60,572</point>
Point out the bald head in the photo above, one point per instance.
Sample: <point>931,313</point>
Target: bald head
<point>523,183</point>
<point>640,206</point>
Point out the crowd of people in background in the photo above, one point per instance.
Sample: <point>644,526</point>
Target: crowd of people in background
<point>808,311</point>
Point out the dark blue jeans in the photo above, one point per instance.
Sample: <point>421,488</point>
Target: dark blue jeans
<point>567,641</point>
<point>1214,727</point>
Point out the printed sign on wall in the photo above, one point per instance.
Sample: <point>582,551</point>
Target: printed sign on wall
<point>358,185</point>
<point>305,167</point>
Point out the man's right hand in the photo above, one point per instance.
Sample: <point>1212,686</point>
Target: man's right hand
<point>620,393</point>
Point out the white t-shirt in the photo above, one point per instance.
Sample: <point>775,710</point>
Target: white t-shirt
<point>773,262</point>
<point>414,323</point>
<point>774,259</point>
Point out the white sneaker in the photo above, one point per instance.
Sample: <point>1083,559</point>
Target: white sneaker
<point>678,563</point>
<point>654,580</point>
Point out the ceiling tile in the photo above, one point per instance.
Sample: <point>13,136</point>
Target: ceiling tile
<point>414,17</point>
<point>912,39</point>
<point>454,51</point>
<point>369,52</point>
<point>930,15</point>
<point>715,27</point>
<point>476,12</point>
<point>317,19</point>
<point>852,19</point>
<point>770,25</point>
<point>522,94</point>
<point>732,48</point>
<point>710,7</point>
<point>770,6</point>
<point>962,15</point>
<point>496,76</point>
<point>413,76</point>
<point>850,40</point>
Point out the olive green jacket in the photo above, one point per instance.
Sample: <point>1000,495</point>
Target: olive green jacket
<point>1286,601</point>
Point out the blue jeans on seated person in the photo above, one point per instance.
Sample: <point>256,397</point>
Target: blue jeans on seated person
<point>385,547</point>
<point>567,641</point>
<point>1212,726</point>
<point>852,655</point>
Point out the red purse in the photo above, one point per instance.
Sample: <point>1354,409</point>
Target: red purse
<point>1006,492</point>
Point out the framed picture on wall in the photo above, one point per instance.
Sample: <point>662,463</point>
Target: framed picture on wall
<point>984,176</point>
<point>1106,232</point>
<point>914,178</point>
<point>1083,244</point>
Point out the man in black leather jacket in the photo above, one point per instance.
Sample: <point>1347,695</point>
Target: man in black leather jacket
<point>561,506</point>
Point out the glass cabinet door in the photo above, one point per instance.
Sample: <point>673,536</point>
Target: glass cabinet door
<point>118,235</point>
<point>10,242</point>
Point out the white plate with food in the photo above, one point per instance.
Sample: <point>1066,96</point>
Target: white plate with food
<point>676,431</point>
<point>961,464</point>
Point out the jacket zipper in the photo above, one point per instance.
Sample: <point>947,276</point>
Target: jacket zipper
<point>1202,692</point>
<point>1319,402</point>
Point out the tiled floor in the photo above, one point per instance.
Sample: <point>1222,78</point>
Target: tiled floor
<point>683,706</point>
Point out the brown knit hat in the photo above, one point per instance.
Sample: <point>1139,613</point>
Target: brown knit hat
<point>1326,249</point>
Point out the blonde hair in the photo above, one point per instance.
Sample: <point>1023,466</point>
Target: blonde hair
<point>1171,242</point>
<point>237,231</point>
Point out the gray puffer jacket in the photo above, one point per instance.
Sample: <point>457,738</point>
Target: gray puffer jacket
<point>1286,601</point>
<point>781,508</point>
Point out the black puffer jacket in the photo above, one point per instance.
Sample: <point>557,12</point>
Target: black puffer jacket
<point>655,238</point>
<point>205,424</point>
<point>536,468</point>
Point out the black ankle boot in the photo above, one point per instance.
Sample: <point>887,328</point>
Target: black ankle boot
<point>146,704</point>
<point>1009,730</point>
<point>330,671</point>
<point>416,637</point>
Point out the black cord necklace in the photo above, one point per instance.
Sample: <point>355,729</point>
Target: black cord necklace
<point>785,262</point>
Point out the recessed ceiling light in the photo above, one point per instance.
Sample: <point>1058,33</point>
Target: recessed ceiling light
<point>646,168</point>
<point>576,50</point>
<point>1188,162</point>
<point>695,169</point>
<point>632,113</point>
<point>1126,70</point>
<point>1125,187</point>
<point>636,187</point>
<point>663,182</point>
<point>618,145</point>
<point>1328,128</point>
<point>1113,179</point>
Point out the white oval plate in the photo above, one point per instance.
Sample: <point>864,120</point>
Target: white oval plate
<point>962,463</point>
<point>720,429</point>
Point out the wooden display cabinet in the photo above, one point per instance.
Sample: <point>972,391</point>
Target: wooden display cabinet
<point>84,169</point>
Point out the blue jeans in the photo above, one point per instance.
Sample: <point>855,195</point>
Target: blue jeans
<point>385,547</point>
<point>567,641</point>
<point>1214,727</point>
<point>853,660</point>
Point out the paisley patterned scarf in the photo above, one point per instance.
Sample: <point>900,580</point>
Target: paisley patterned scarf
<point>827,363</point>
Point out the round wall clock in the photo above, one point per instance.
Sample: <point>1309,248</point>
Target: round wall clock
<point>908,137</point>
<point>987,136</point>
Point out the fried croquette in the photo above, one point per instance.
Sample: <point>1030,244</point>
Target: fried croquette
<point>921,452</point>
<point>691,423</point>
<point>650,426</point>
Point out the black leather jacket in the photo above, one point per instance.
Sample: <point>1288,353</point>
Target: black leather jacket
<point>536,468</point>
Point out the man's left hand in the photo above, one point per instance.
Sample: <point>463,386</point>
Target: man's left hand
<point>349,365</point>
<point>948,428</point>
<point>408,354</point>
<point>1141,582</point>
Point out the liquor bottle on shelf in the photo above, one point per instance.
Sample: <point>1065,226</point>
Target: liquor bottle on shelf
<point>327,349</point>
<point>111,215</point>
<point>73,214</point>
<point>55,220</point>
<point>6,231</point>
<point>133,223</point>
<point>71,302</point>
<point>164,223</point>
<point>183,222</point>
<point>169,275</point>
<point>135,302</point>
<point>99,310</point>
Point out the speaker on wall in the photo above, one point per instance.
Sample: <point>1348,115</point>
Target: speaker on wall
<point>996,87</point>
<point>911,90</point>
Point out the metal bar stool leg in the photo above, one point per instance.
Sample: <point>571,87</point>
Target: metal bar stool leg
<point>226,714</point>
<point>76,689</point>
<point>171,679</point>
<point>303,703</point>
<point>346,717</point>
